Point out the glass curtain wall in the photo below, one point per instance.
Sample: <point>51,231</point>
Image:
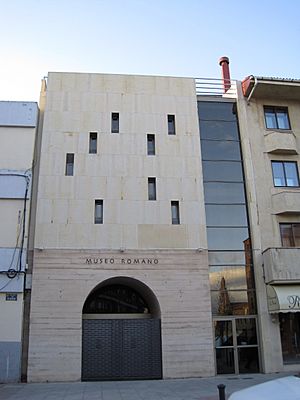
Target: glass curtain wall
<point>229,245</point>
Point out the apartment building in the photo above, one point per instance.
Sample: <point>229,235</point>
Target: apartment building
<point>17,133</point>
<point>166,228</point>
<point>270,131</point>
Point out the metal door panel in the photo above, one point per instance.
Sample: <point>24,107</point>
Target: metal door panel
<point>121,349</point>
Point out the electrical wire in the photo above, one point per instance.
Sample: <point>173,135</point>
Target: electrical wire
<point>18,268</point>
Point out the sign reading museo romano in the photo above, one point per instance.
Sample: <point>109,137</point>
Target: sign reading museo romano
<point>124,261</point>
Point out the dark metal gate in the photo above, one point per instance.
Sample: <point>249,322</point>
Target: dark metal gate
<point>115,349</point>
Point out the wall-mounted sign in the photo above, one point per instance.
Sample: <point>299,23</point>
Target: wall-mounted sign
<point>124,261</point>
<point>11,297</point>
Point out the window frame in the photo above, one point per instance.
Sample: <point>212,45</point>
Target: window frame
<point>152,183</point>
<point>151,138</point>
<point>69,163</point>
<point>291,238</point>
<point>115,116</point>
<point>171,131</point>
<point>175,221</point>
<point>284,172</point>
<point>98,220</point>
<point>275,110</point>
<point>95,134</point>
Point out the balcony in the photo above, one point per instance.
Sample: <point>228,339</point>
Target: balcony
<point>286,201</point>
<point>281,265</point>
<point>278,142</point>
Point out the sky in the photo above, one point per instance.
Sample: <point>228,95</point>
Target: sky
<point>145,37</point>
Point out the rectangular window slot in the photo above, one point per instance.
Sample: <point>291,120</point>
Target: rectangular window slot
<point>151,145</point>
<point>93,143</point>
<point>69,164</point>
<point>151,188</point>
<point>171,124</point>
<point>98,211</point>
<point>175,212</point>
<point>115,122</point>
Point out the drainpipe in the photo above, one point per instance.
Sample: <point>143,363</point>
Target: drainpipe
<point>252,91</point>
<point>224,62</point>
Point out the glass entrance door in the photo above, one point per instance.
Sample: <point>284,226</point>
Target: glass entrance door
<point>236,345</point>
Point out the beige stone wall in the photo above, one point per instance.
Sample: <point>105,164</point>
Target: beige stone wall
<point>133,226</point>
<point>63,280</point>
<point>77,104</point>
<point>265,202</point>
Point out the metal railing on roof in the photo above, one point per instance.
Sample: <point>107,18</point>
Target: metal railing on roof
<point>216,87</point>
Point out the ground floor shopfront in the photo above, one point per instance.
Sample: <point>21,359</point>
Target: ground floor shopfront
<point>120,315</point>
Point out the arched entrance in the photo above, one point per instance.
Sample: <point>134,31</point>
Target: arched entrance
<point>121,335</point>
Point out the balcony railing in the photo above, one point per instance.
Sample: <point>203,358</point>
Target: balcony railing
<point>216,87</point>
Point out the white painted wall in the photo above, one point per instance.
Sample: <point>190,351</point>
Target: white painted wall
<point>16,150</point>
<point>11,318</point>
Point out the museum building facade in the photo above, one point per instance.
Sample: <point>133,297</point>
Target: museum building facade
<point>148,260</point>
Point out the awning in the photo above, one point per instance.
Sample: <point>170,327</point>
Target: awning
<point>283,298</point>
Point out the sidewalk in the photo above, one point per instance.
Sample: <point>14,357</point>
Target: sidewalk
<point>170,389</point>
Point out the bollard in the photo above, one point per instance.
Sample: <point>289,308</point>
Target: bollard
<point>221,388</point>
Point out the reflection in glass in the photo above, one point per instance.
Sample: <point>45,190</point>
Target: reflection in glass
<point>233,302</point>
<point>246,331</point>
<point>224,171</point>
<point>290,235</point>
<point>248,360</point>
<point>227,258</point>
<point>291,174</point>
<point>285,173</point>
<point>223,333</point>
<point>225,361</point>
<point>217,111</point>
<point>220,150</point>
<point>282,119</point>
<point>219,130</point>
<point>278,173</point>
<point>234,276</point>
<point>270,117</point>
<point>226,215</point>
<point>224,192</point>
<point>226,238</point>
<point>290,337</point>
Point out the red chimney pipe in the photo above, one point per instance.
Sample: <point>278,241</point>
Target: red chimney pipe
<point>224,62</point>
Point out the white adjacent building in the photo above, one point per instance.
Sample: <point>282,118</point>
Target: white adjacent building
<point>17,134</point>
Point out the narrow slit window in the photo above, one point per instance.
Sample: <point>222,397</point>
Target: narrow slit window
<point>151,188</point>
<point>175,212</point>
<point>69,164</point>
<point>151,145</point>
<point>115,122</point>
<point>93,143</point>
<point>171,124</point>
<point>98,211</point>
